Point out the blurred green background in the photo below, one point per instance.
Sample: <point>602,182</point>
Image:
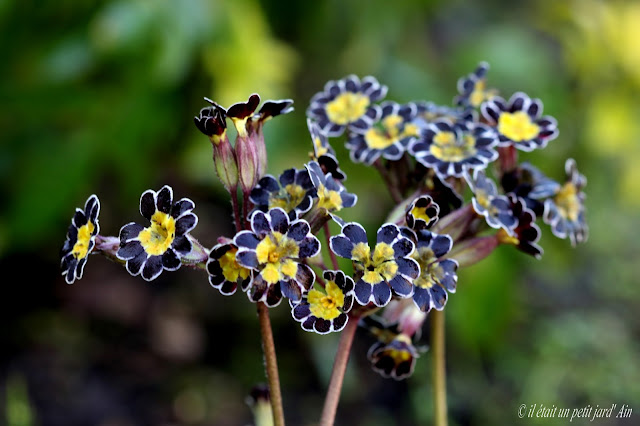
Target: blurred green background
<point>98,97</point>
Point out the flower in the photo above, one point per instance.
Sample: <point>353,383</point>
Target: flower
<point>529,183</point>
<point>395,358</point>
<point>323,310</point>
<point>331,194</point>
<point>422,212</point>
<point>323,152</point>
<point>437,275</point>
<point>293,192</point>
<point>527,233</point>
<point>473,88</point>
<point>451,148</point>
<point>565,211</point>
<point>386,269</point>
<point>519,122</point>
<point>80,240</point>
<point>346,103</point>
<point>273,249</point>
<point>495,208</point>
<point>225,273</point>
<point>389,135</point>
<point>165,241</point>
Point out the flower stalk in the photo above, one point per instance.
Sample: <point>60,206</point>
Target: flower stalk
<point>271,364</point>
<point>439,378</point>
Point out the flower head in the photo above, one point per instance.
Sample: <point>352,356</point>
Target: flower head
<point>386,269</point>
<point>392,131</point>
<point>212,122</point>
<point>395,358</point>
<point>565,211</point>
<point>80,240</point>
<point>422,212</point>
<point>293,191</point>
<point>527,233</point>
<point>323,310</point>
<point>473,88</point>
<point>323,152</point>
<point>486,201</point>
<point>437,275</point>
<point>346,103</point>
<point>519,121</point>
<point>273,249</point>
<point>330,193</point>
<point>529,183</point>
<point>451,148</point>
<point>165,241</point>
<point>225,273</point>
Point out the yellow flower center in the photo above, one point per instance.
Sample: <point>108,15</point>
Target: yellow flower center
<point>157,238</point>
<point>430,271</point>
<point>275,252</point>
<point>319,149</point>
<point>329,200</point>
<point>482,198</point>
<point>568,202</point>
<point>420,213</point>
<point>517,126</point>
<point>399,355</point>
<point>81,247</point>
<point>326,305</point>
<point>231,269</point>
<point>480,93</point>
<point>447,147</point>
<point>347,108</point>
<point>381,266</point>
<point>288,198</point>
<point>392,129</point>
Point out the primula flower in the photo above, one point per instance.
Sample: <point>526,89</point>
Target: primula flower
<point>428,112</point>
<point>389,135</point>
<point>80,240</point>
<point>323,152</point>
<point>437,275</point>
<point>451,148</point>
<point>225,273</point>
<point>386,269</point>
<point>473,88</point>
<point>346,103</point>
<point>395,359</point>
<point>486,201</point>
<point>323,310</point>
<point>273,249</point>
<point>164,242</point>
<point>527,233</point>
<point>293,191</point>
<point>529,183</point>
<point>519,121</point>
<point>331,194</point>
<point>422,213</point>
<point>565,211</point>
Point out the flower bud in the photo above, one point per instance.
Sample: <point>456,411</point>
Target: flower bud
<point>260,403</point>
<point>473,250</point>
<point>456,223</point>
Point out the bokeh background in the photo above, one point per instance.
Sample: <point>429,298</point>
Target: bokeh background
<point>98,97</point>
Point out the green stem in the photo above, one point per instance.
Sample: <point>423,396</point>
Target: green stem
<point>337,375</point>
<point>271,364</point>
<point>439,377</point>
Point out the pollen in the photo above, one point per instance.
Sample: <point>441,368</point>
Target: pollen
<point>81,247</point>
<point>347,108</point>
<point>326,306</point>
<point>231,269</point>
<point>517,126</point>
<point>158,237</point>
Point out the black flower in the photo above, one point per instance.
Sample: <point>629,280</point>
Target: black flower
<point>527,233</point>
<point>330,194</point>
<point>473,88</point>
<point>486,201</point>
<point>273,249</point>
<point>80,240</point>
<point>323,152</point>
<point>293,191</point>
<point>346,103</point>
<point>385,270</point>
<point>519,121</point>
<point>395,358</point>
<point>225,273</point>
<point>165,241</point>
<point>422,213</point>
<point>323,310</point>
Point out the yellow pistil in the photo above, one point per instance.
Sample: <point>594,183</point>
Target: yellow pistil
<point>347,108</point>
<point>430,271</point>
<point>326,306</point>
<point>231,269</point>
<point>447,147</point>
<point>288,198</point>
<point>157,238</point>
<point>81,247</point>
<point>568,202</point>
<point>275,252</point>
<point>517,126</point>
<point>381,266</point>
<point>329,200</point>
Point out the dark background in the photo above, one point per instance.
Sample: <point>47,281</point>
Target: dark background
<point>98,97</point>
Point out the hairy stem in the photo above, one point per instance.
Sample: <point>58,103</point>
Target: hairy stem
<point>439,377</point>
<point>271,364</point>
<point>337,375</point>
<point>236,210</point>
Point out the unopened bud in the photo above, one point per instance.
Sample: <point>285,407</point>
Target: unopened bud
<point>260,403</point>
<point>473,250</point>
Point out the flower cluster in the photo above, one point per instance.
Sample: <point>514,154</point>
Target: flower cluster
<point>428,156</point>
